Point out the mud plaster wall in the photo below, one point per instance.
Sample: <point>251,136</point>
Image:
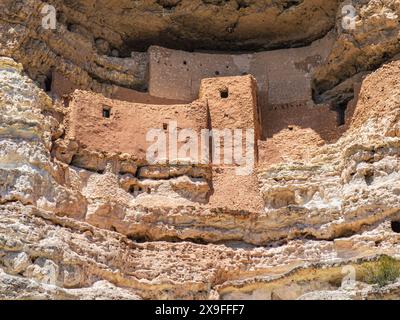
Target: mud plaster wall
<point>283,76</point>
<point>232,104</point>
<point>235,109</point>
<point>296,130</point>
<point>320,118</point>
<point>235,192</point>
<point>61,86</point>
<point>125,130</point>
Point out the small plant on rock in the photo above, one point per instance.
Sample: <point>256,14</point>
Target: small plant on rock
<point>383,272</point>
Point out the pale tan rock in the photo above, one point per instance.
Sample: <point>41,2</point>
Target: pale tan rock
<point>120,229</point>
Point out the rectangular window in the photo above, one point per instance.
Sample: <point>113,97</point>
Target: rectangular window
<point>106,112</point>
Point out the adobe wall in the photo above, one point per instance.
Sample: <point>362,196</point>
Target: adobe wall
<point>125,130</point>
<point>283,76</point>
<point>237,108</point>
<point>235,192</point>
<point>129,95</point>
<point>320,118</point>
<point>294,144</point>
<point>62,86</point>
<point>294,131</point>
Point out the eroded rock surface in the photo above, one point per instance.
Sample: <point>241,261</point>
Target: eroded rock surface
<point>75,230</point>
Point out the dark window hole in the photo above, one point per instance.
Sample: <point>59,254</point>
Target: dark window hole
<point>106,112</point>
<point>224,93</point>
<point>341,108</point>
<point>395,226</point>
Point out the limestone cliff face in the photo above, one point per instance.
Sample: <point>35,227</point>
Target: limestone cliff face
<point>71,233</point>
<point>372,41</point>
<point>27,128</point>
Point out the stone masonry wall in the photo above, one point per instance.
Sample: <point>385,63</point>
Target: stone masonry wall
<point>232,104</point>
<point>61,86</point>
<point>124,131</point>
<point>98,125</point>
<point>320,118</point>
<point>283,76</point>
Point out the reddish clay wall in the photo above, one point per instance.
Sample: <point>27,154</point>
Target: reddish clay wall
<point>238,109</point>
<point>235,109</point>
<point>283,76</point>
<point>235,192</point>
<point>295,131</point>
<point>295,144</point>
<point>126,128</point>
<point>130,95</point>
<point>319,118</point>
<point>62,86</point>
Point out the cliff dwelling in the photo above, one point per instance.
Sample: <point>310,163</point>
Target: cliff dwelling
<point>200,150</point>
<point>268,92</point>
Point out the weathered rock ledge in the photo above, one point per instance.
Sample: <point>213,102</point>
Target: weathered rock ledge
<point>72,233</point>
